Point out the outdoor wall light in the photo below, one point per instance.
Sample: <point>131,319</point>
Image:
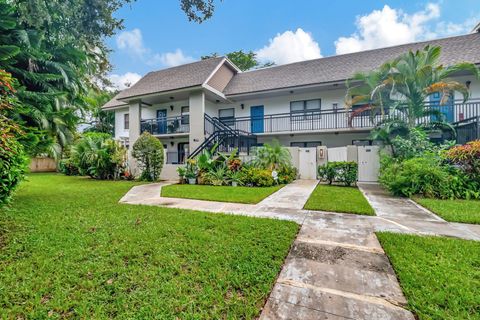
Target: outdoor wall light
<point>172,143</point>
<point>171,108</point>
<point>171,98</point>
<point>468,83</point>
<point>242,106</point>
<point>217,101</point>
<point>291,91</point>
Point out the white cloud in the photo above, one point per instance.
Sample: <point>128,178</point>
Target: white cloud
<point>132,42</point>
<point>449,28</point>
<point>123,81</point>
<point>389,27</point>
<point>290,47</point>
<point>171,59</point>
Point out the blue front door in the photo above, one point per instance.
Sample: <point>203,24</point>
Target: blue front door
<point>256,116</point>
<point>446,109</point>
<point>162,121</point>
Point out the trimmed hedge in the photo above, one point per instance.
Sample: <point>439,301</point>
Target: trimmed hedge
<point>344,172</point>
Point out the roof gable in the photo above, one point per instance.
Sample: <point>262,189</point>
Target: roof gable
<point>180,77</point>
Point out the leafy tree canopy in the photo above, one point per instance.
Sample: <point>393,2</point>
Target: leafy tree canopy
<point>243,60</point>
<point>198,10</point>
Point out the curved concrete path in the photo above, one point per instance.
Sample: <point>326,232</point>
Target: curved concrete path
<point>336,268</point>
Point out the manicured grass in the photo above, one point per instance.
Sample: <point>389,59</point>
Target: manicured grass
<point>69,250</point>
<point>440,277</point>
<point>218,193</point>
<point>466,211</point>
<point>338,199</point>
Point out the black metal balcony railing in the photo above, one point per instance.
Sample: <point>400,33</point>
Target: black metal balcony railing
<point>341,119</point>
<point>168,125</point>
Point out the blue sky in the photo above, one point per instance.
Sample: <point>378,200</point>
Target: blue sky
<point>158,35</point>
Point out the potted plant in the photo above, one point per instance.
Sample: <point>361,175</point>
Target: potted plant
<point>235,178</point>
<point>191,174</point>
<point>181,173</point>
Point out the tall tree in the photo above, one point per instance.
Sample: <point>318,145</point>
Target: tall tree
<point>243,60</point>
<point>82,23</point>
<point>56,51</point>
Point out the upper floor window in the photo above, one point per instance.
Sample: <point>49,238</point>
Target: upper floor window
<point>126,121</point>
<point>305,105</point>
<point>185,115</point>
<point>227,116</point>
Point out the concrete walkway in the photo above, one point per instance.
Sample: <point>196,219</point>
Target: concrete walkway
<point>292,196</point>
<point>336,268</point>
<point>388,206</point>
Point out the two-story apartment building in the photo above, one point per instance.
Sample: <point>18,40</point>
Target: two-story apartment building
<point>300,104</point>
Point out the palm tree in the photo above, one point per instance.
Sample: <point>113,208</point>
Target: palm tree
<point>404,85</point>
<point>53,82</point>
<point>272,156</point>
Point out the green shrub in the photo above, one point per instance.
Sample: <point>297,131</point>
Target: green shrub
<point>272,156</point>
<point>287,174</point>
<point>326,172</point>
<point>149,153</point>
<point>68,167</point>
<point>467,157</point>
<point>253,176</point>
<point>416,176</point>
<point>217,176</point>
<point>344,172</point>
<point>13,161</point>
<point>98,156</point>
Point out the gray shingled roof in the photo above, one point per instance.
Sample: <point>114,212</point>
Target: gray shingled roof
<point>184,76</point>
<point>341,67</point>
<point>114,103</point>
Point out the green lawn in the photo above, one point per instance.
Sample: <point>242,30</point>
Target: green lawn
<point>338,199</point>
<point>440,277</point>
<point>69,250</point>
<point>466,211</point>
<point>218,193</point>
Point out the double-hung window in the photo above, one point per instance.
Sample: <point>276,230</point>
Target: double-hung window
<point>185,118</point>
<point>305,106</point>
<point>303,110</point>
<point>227,116</point>
<point>126,121</point>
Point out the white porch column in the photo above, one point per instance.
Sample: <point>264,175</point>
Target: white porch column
<point>135,116</point>
<point>197,122</point>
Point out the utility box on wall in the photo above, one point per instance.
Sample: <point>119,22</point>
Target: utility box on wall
<point>322,155</point>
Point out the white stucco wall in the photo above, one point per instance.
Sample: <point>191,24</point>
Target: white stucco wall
<point>328,139</point>
<point>120,131</point>
<point>281,104</point>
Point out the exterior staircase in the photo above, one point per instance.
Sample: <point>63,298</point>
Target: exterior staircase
<point>225,138</point>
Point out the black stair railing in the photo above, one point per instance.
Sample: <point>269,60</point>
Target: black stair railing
<point>225,138</point>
